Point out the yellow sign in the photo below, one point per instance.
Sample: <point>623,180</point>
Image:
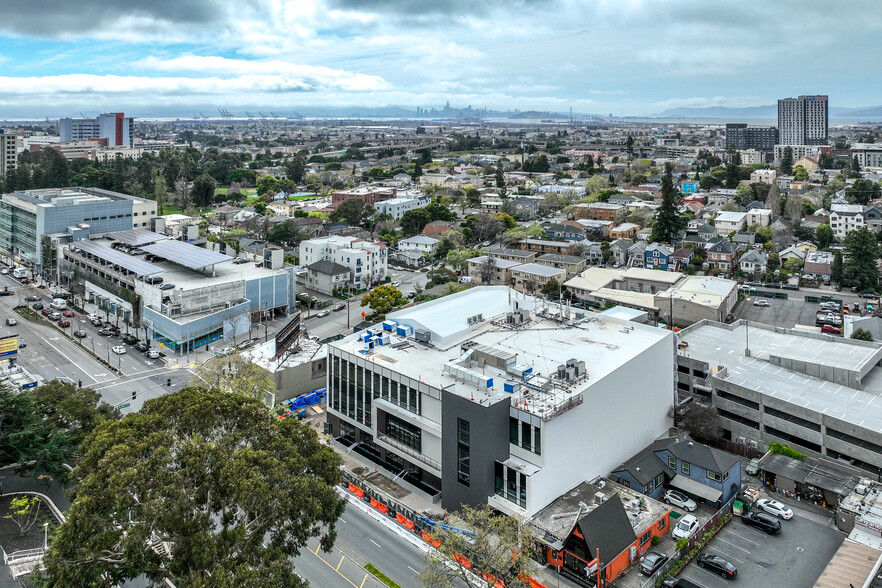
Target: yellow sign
<point>8,346</point>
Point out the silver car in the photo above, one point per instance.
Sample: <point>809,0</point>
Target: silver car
<point>680,500</point>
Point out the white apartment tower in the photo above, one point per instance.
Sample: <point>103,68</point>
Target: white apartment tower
<point>803,120</point>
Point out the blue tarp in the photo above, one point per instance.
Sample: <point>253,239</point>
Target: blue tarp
<point>307,399</point>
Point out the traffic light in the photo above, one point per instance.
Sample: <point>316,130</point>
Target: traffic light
<point>134,395</point>
<point>168,382</point>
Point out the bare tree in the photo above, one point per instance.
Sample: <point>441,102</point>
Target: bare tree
<point>773,200</point>
<point>487,270</point>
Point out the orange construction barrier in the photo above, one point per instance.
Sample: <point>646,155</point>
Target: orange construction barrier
<point>356,490</point>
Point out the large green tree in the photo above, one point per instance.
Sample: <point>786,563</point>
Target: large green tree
<point>668,220</point>
<point>231,493</point>
<point>203,190</point>
<point>74,410</point>
<point>353,211</point>
<point>384,298</point>
<point>861,255</point>
<point>786,165</point>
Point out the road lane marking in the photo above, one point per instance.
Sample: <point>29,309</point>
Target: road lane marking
<point>341,520</point>
<point>363,580</point>
<point>726,555</point>
<point>342,557</point>
<point>332,567</point>
<point>68,359</point>
<point>413,570</point>
<point>733,545</point>
<point>375,543</point>
<point>743,537</point>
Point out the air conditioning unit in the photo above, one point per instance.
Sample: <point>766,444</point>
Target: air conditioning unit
<point>741,441</point>
<point>753,444</point>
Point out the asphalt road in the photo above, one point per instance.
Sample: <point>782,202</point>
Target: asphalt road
<point>51,355</point>
<point>360,540</point>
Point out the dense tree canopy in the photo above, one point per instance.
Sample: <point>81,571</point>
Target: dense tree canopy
<point>862,252</point>
<point>384,298</point>
<point>668,220</point>
<point>232,492</point>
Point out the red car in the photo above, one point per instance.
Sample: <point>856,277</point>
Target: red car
<point>67,313</point>
<point>831,329</point>
<point>63,323</point>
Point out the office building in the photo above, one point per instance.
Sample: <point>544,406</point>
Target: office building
<point>9,144</point>
<point>743,136</point>
<point>867,154</point>
<point>116,128</point>
<point>491,396</point>
<point>803,121</point>
<point>817,393</point>
<point>61,214</point>
<point>184,296</point>
<point>338,261</point>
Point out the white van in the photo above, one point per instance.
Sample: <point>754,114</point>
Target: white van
<point>19,273</point>
<point>467,280</point>
<point>58,303</point>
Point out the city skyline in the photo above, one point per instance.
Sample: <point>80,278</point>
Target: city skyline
<point>626,58</point>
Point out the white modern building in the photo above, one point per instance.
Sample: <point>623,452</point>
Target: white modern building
<point>845,218</point>
<point>422,243</point>
<point>727,222</point>
<point>396,207</point>
<point>490,396</point>
<point>115,127</point>
<point>867,154</point>
<point>366,261</point>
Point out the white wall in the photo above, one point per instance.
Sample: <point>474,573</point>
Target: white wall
<point>621,415</point>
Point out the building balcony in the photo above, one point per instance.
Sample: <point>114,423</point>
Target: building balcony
<point>390,444</point>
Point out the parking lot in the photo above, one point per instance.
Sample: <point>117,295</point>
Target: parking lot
<point>795,557</point>
<point>787,313</point>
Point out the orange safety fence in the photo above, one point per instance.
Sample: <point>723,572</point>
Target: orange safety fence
<point>356,490</point>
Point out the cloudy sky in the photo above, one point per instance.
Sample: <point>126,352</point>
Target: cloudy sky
<point>632,57</point>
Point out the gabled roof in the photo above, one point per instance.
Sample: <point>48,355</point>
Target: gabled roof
<point>645,466</point>
<point>607,528</point>
<point>697,454</point>
<point>754,256</point>
<point>330,268</point>
<point>723,247</point>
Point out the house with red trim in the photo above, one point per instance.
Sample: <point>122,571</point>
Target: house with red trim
<point>599,527</point>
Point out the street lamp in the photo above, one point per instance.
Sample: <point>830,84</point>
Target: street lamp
<point>45,536</point>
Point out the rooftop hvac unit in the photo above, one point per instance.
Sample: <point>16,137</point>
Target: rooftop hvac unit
<point>511,387</point>
<point>422,335</point>
<point>860,489</point>
<point>753,444</point>
<point>599,498</point>
<point>389,325</point>
<point>570,374</point>
<point>404,331</point>
<point>561,372</point>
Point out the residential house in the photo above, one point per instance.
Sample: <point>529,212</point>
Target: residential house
<point>500,275</point>
<point>619,250</point>
<point>571,264</point>
<point>624,231</point>
<point>818,264</point>
<point>657,256</point>
<point>224,214</point>
<point>530,278</point>
<point>702,472</point>
<point>644,234</point>
<point>420,243</point>
<point>326,276</point>
<point>369,194</point>
<point>396,207</point>
<point>437,228</point>
<point>845,218</point>
<point>806,246</point>
<point>873,217</point>
<point>596,230</point>
<point>753,262</point>
<point>600,526</point>
<point>565,232</point>
<point>764,176</point>
<point>721,256</point>
<point>809,163</point>
<point>744,241</point>
<point>729,222</point>
<point>526,207</point>
<point>813,221</point>
<point>760,217</point>
<point>681,258</point>
<point>636,254</point>
<point>408,258</point>
<point>792,252</point>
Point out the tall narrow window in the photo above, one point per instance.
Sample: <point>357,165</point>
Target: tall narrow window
<point>537,441</point>
<point>463,440</point>
<point>513,430</point>
<point>525,435</point>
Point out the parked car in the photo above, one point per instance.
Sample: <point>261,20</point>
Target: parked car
<point>153,354</point>
<point>37,306</point>
<point>762,521</point>
<point>64,323</point>
<point>31,298</point>
<point>130,339</point>
<point>730,317</point>
<point>118,349</point>
<point>6,291</point>
<point>752,467</point>
<point>775,508</point>
<point>686,528</point>
<point>761,302</point>
<point>831,329</point>
<point>167,286</point>
<point>340,306</point>
<point>677,498</point>
<point>67,313</point>
<point>411,294</point>
<point>54,315</point>
<point>323,314</point>
<point>240,260</point>
<point>246,344</point>
<point>108,332</point>
<point>79,334</point>
<point>94,317</point>
<point>142,346</point>
<point>96,322</point>
<point>22,343</point>
<point>715,563</point>
<point>396,283</point>
<point>652,561</point>
<point>11,322</point>
<point>4,271</point>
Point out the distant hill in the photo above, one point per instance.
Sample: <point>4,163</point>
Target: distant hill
<point>762,112</point>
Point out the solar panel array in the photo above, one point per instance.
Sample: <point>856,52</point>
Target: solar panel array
<point>185,254</point>
<point>129,262</point>
<point>137,237</point>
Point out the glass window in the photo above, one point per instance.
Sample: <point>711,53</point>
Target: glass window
<point>511,477</point>
<point>499,475</point>
<point>523,495</point>
<point>644,539</point>
<point>672,462</point>
<point>513,430</point>
<point>525,435</point>
<point>649,487</point>
<point>537,441</point>
<point>662,524</point>
<point>684,467</point>
<point>659,480</point>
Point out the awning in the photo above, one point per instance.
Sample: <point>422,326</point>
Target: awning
<point>696,488</point>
